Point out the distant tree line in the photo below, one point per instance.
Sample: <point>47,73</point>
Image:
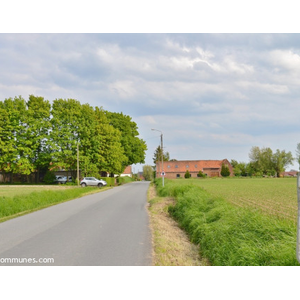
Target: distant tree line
<point>263,162</point>
<point>36,136</point>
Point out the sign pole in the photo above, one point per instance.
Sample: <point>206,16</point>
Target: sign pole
<point>162,161</point>
<point>298,225</point>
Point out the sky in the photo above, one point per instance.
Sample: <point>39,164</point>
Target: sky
<point>213,96</point>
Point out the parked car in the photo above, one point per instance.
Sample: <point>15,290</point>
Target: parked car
<point>62,179</point>
<point>92,181</point>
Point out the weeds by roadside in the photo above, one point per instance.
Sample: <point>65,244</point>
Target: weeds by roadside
<point>171,244</point>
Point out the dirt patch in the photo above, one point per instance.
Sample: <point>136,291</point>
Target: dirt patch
<point>171,244</point>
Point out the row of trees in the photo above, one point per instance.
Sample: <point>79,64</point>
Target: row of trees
<point>263,161</point>
<point>37,136</point>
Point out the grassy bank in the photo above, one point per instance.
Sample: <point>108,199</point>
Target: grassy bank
<point>228,234</point>
<point>20,204</point>
<point>171,245</point>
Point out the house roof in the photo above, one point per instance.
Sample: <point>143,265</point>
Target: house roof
<point>290,173</point>
<point>192,165</point>
<point>127,170</point>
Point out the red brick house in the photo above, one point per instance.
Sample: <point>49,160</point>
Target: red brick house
<point>177,169</point>
<point>127,172</point>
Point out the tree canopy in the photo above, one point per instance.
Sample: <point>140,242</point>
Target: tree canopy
<point>263,161</point>
<point>159,155</point>
<point>35,135</point>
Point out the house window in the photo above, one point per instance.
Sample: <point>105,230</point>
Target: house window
<point>169,167</point>
<point>187,166</point>
<point>176,166</point>
<point>196,166</point>
<point>178,175</point>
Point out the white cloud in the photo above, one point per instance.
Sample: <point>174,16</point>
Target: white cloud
<point>286,59</point>
<point>211,95</point>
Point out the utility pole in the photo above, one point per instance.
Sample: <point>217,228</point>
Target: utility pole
<point>162,157</point>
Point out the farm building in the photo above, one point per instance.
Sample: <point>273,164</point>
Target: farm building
<point>127,172</point>
<point>177,169</point>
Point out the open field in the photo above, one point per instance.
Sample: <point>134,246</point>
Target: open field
<point>237,222</point>
<point>13,190</point>
<point>272,196</point>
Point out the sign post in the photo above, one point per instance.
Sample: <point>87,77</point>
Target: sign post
<point>298,225</point>
<point>163,177</point>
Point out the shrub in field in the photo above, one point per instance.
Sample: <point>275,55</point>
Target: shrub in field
<point>49,177</point>
<point>187,174</point>
<point>225,171</point>
<point>201,174</point>
<point>230,235</point>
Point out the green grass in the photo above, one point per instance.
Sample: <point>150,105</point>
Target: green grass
<point>21,201</point>
<point>271,196</point>
<point>13,190</point>
<point>228,234</point>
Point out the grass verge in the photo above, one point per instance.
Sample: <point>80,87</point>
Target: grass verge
<point>171,244</point>
<point>11,207</point>
<point>230,235</point>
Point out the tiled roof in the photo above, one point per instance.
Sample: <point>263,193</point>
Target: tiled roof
<point>191,165</point>
<point>127,170</point>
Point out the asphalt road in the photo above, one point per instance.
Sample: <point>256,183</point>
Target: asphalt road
<point>110,228</point>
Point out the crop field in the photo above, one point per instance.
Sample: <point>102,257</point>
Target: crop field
<point>237,221</point>
<point>272,196</point>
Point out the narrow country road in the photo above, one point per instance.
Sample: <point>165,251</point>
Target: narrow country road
<point>109,228</point>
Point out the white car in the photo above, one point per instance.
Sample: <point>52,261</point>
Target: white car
<point>92,181</point>
<point>62,179</point>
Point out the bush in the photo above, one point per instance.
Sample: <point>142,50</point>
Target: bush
<point>125,179</point>
<point>225,171</point>
<point>187,174</point>
<point>201,174</point>
<point>111,181</point>
<point>49,177</point>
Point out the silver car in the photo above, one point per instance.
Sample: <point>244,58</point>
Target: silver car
<point>92,181</point>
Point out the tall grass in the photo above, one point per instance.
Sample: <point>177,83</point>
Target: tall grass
<point>230,235</point>
<point>20,204</point>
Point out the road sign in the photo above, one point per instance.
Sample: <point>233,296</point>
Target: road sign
<point>163,173</point>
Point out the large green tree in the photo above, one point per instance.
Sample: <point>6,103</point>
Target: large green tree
<point>64,134</point>
<point>134,147</point>
<point>9,127</point>
<point>159,155</point>
<point>148,172</point>
<point>281,159</point>
<point>265,162</point>
<point>113,158</point>
<point>36,132</point>
<point>35,136</point>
